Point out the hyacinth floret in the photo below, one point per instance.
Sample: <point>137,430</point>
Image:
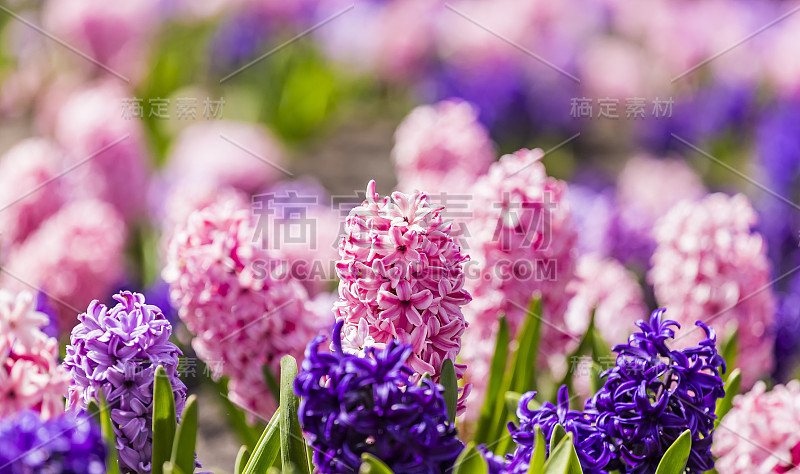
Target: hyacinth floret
<point>653,394</point>
<point>69,444</point>
<point>402,277</point>
<point>353,405</point>
<point>117,350</point>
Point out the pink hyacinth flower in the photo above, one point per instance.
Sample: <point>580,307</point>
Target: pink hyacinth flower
<point>242,315</point>
<point>74,256</point>
<point>710,266</point>
<point>107,151</point>
<point>402,277</point>
<point>29,192</point>
<point>31,376</point>
<point>523,242</point>
<point>759,435</point>
<point>441,147</point>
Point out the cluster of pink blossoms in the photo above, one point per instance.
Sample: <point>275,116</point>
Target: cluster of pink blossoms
<point>77,254</point>
<point>24,201</point>
<point>30,374</point>
<point>759,435</point>
<point>243,316</point>
<point>710,266</point>
<point>441,145</point>
<point>218,155</point>
<point>523,240</point>
<point>402,277</point>
<point>107,151</point>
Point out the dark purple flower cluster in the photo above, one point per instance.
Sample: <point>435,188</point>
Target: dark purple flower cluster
<point>70,443</point>
<point>117,350</point>
<point>591,444</point>
<point>649,398</point>
<point>353,405</point>
<point>653,394</point>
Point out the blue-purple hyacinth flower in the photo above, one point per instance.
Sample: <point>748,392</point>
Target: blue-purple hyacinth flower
<point>117,350</point>
<point>591,443</point>
<point>353,405</point>
<point>653,394</point>
<point>68,444</point>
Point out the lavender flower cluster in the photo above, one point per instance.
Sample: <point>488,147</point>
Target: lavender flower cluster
<point>115,351</point>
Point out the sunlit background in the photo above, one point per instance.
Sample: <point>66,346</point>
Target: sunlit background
<point>119,119</point>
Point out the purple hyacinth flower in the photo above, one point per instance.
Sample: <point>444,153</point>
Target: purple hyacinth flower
<point>352,405</point>
<point>68,444</point>
<point>117,350</point>
<point>591,444</point>
<point>653,394</point>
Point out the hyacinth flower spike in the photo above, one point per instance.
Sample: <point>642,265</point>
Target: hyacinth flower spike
<point>352,405</point>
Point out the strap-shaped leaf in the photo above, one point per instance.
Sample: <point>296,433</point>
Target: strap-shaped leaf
<point>729,352</point>
<point>450,384</point>
<point>563,459</point>
<point>164,420</point>
<point>170,468</point>
<point>539,453</point>
<point>99,409</point>
<point>524,367</point>
<point>596,381</point>
<point>512,401</point>
<point>470,461</point>
<point>186,437</point>
<point>293,448</point>
<point>241,460</point>
<point>724,404</point>
<point>267,449</point>
<point>674,460</point>
<point>372,465</point>
<point>559,433</point>
<point>248,435</point>
<point>496,374</point>
<point>520,377</point>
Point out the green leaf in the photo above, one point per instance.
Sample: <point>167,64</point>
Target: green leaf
<point>524,366</point>
<point>186,437</point>
<point>372,465</point>
<point>596,381</point>
<point>170,468</point>
<point>600,349</point>
<point>555,438</point>
<point>293,448</point>
<point>521,376</point>
<point>164,420</point>
<point>236,417</point>
<point>241,459</point>
<point>450,384</point>
<point>725,403</point>
<point>470,461</point>
<point>512,401</point>
<point>99,409</point>
<point>272,382</point>
<point>498,368</point>
<point>539,453</point>
<point>674,460</point>
<point>730,351</point>
<point>563,459</point>
<point>267,449</point>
